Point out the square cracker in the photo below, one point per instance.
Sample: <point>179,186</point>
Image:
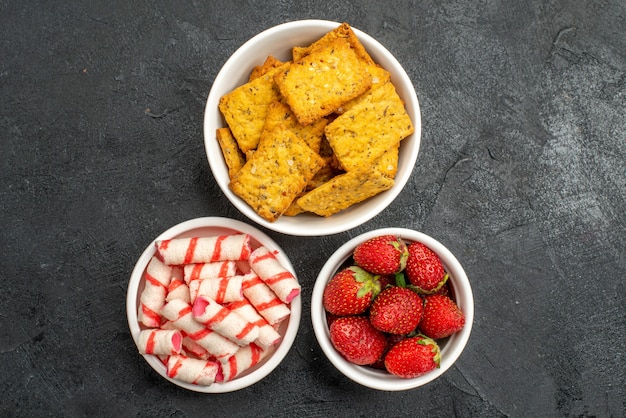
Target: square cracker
<point>245,108</point>
<point>344,191</point>
<point>269,63</point>
<point>342,31</point>
<point>233,156</point>
<point>276,173</point>
<point>319,83</point>
<point>379,77</point>
<point>325,174</point>
<point>387,163</point>
<point>370,127</point>
<point>279,113</point>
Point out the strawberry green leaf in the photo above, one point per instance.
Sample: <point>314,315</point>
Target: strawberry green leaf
<point>361,275</point>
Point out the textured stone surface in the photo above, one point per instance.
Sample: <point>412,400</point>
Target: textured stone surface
<point>521,174</point>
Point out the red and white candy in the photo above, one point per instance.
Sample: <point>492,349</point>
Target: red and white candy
<point>177,289</point>
<point>277,277</point>
<point>224,321</point>
<point>246,357</point>
<point>180,251</point>
<point>160,342</point>
<point>152,299</point>
<point>202,271</point>
<point>220,289</point>
<point>267,334</point>
<point>179,313</point>
<point>190,347</point>
<point>264,300</point>
<point>191,370</point>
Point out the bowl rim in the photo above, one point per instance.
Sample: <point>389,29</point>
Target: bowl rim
<point>379,379</point>
<point>309,224</point>
<point>226,224</point>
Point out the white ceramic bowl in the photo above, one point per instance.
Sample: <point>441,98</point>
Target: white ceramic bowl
<point>451,347</point>
<point>278,41</point>
<point>211,226</point>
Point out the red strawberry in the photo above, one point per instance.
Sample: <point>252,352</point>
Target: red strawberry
<point>330,318</point>
<point>386,254</point>
<point>442,317</point>
<point>350,291</point>
<point>413,357</point>
<point>392,339</point>
<point>386,280</point>
<point>445,290</point>
<point>424,268</point>
<point>397,310</point>
<point>357,340</point>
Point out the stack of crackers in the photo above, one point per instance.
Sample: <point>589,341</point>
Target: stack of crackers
<point>316,134</point>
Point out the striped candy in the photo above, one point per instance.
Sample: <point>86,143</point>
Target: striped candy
<point>152,299</point>
<point>198,372</point>
<point>179,312</point>
<point>202,271</point>
<point>277,277</point>
<point>224,321</point>
<point>220,289</point>
<point>180,251</point>
<point>160,342</point>
<point>264,300</point>
<point>177,289</point>
<point>267,334</point>
<point>245,358</point>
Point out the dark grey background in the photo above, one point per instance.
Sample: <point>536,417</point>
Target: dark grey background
<point>521,174</point>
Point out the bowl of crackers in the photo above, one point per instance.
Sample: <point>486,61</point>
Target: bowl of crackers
<point>312,128</point>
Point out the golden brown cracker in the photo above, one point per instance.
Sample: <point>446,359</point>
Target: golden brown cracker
<point>379,77</point>
<point>245,108</point>
<point>294,209</point>
<point>342,31</point>
<point>233,156</point>
<point>343,191</point>
<point>270,63</point>
<point>319,83</point>
<point>387,163</point>
<point>277,172</point>
<point>375,124</point>
<point>280,113</point>
<point>325,174</point>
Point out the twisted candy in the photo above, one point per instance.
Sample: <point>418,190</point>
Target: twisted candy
<point>179,312</point>
<point>222,320</point>
<point>180,251</point>
<point>277,277</point>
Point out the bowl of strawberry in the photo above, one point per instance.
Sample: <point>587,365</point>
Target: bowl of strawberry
<point>392,309</point>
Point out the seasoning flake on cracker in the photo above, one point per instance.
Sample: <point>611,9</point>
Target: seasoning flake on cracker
<point>276,173</point>
<point>245,108</point>
<point>375,124</point>
<point>233,157</point>
<point>319,83</point>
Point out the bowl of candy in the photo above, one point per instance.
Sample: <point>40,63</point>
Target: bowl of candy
<point>392,309</point>
<point>312,128</point>
<point>213,305</point>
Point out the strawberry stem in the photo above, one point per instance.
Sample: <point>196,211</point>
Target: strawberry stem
<point>400,280</point>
